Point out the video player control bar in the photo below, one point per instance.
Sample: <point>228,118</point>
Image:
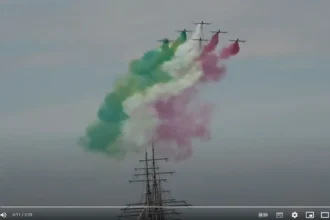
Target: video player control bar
<point>189,213</point>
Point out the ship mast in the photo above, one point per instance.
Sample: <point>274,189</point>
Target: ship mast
<point>154,206</point>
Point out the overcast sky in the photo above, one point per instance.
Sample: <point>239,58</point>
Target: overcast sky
<point>59,58</point>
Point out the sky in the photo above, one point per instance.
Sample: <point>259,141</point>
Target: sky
<point>58,60</point>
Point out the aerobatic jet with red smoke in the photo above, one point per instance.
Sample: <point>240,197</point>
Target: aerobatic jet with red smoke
<point>219,32</point>
<point>238,40</point>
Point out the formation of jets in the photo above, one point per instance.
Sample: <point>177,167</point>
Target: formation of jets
<point>200,39</point>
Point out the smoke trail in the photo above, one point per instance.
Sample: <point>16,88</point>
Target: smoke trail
<point>184,56</point>
<point>180,125</point>
<point>183,62</point>
<point>230,50</point>
<point>180,121</point>
<point>143,104</point>
<point>213,43</point>
<point>102,136</point>
<point>155,100</point>
<point>149,65</point>
<point>213,70</point>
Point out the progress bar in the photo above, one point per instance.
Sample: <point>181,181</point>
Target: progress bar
<point>164,207</point>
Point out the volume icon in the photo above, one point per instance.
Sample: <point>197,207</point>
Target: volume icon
<point>3,215</point>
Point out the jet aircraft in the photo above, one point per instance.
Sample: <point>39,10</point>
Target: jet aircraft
<point>184,30</point>
<point>238,40</point>
<point>220,32</point>
<point>200,39</point>
<point>165,40</point>
<point>202,22</point>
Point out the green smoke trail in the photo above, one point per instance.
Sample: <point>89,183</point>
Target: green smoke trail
<point>149,66</point>
<point>102,136</point>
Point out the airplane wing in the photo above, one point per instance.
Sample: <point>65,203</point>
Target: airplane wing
<point>213,31</point>
<point>206,23</point>
<point>232,40</point>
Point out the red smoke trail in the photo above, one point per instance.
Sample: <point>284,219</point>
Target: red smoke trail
<point>211,70</point>
<point>212,44</point>
<point>229,51</point>
<point>210,63</point>
<point>179,125</point>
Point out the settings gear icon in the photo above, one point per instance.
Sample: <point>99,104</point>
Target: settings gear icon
<point>294,215</point>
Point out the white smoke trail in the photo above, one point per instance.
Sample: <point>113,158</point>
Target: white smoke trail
<point>185,55</point>
<point>182,62</point>
<point>143,120</point>
<point>138,130</point>
<point>162,91</point>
